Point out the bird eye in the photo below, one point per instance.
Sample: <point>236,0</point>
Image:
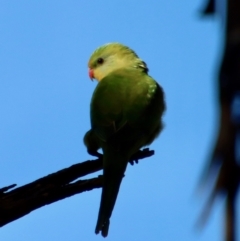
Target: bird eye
<point>100,60</point>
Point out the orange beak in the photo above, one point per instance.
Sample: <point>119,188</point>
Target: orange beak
<point>91,74</point>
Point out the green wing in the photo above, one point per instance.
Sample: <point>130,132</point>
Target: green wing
<point>126,99</point>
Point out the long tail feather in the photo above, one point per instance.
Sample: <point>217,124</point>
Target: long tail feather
<point>114,168</point>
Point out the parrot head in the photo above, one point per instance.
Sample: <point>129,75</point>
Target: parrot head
<point>111,57</point>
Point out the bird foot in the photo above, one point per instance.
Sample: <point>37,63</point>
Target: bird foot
<point>140,154</point>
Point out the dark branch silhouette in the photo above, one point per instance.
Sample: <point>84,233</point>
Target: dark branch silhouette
<point>20,201</point>
<point>224,163</point>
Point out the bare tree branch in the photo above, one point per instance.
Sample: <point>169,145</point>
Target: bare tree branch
<point>21,201</point>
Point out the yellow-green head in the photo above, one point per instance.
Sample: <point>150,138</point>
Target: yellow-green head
<point>113,56</point>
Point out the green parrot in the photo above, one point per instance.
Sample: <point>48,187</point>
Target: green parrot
<point>126,115</point>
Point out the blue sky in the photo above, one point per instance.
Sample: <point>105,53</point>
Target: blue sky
<point>44,104</point>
